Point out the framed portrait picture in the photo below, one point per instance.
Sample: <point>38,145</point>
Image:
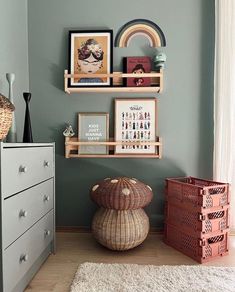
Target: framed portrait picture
<point>135,120</point>
<point>90,52</point>
<point>93,127</point>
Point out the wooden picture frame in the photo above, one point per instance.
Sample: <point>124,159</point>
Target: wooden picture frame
<point>135,121</point>
<point>90,128</point>
<point>90,52</point>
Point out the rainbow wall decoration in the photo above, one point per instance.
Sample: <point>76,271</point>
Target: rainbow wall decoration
<point>142,27</point>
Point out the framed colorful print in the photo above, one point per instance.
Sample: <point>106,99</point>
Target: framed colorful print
<point>135,120</point>
<point>90,52</point>
<point>93,127</point>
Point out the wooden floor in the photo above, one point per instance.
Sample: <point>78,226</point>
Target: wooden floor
<point>75,248</point>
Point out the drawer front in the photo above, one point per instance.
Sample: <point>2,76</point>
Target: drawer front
<point>19,257</point>
<point>24,167</point>
<point>21,211</point>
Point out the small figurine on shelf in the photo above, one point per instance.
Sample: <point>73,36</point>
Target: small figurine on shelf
<point>159,61</point>
<point>68,132</point>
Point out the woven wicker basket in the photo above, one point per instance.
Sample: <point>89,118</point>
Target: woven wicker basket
<point>120,230</point>
<point>121,193</point>
<point>6,109</point>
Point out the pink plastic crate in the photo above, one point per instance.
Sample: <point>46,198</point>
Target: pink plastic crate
<point>200,249</point>
<point>197,193</point>
<point>197,223</point>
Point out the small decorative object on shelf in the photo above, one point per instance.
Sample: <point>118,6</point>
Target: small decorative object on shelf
<point>93,127</point>
<point>90,52</point>
<point>135,121</point>
<point>197,217</point>
<point>6,114</point>
<point>137,65</point>
<point>121,223</point>
<point>159,61</point>
<point>68,132</point>
<point>12,136</point>
<point>27,136</point>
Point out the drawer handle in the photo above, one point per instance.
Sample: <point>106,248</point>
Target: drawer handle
<point>23,213</point>
<point>46,163</point>
<point>24,258</point>
<point>47,232</point>
<point>46,198</point>
<point>23,169</point>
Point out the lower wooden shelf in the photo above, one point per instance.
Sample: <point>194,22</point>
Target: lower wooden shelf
<point>72,145</point>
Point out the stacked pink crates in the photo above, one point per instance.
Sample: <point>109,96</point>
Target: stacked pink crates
<point>197,217</point>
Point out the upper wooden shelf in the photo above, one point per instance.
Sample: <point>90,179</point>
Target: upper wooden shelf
<point>156,83</point>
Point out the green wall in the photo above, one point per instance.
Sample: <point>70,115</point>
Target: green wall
<point>185,107</point>
<point>14,54</point>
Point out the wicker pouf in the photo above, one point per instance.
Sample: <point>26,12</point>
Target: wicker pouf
<point>121,193</point>
<point>120,230</point>
<point>121,223</point>
<point>6,109</point>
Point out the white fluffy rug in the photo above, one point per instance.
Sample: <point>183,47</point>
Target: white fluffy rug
<point>92,277</point>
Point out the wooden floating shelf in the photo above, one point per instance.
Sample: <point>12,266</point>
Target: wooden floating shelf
<point>156,82</point>
<point>72,148</point>
<point>114,89</point>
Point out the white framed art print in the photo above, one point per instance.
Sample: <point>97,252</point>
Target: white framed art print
<point>135,120</point>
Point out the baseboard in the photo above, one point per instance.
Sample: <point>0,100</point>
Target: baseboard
<point>85,229</point>
<point>73,229</point>
<point>156,230</point>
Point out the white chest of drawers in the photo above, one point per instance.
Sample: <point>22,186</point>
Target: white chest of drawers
<point>27,217</point>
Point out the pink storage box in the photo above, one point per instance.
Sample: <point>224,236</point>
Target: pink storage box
<point>197,193</point>
<point>197,223</point>
<point>202,249</point>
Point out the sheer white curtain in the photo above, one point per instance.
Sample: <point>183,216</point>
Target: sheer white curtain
<point>224,97</point>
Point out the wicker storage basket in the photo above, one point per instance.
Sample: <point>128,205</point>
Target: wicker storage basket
<point>121,193</point>
<point>6,109</point>
<point>120,230</point>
